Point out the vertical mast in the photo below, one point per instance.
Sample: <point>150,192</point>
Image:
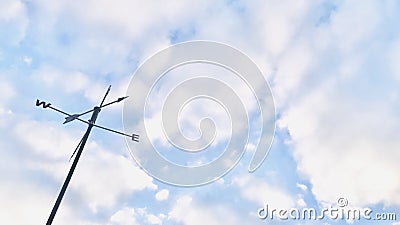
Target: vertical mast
<point>92,121</point>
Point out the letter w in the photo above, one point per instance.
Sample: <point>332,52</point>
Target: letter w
<point>38,103</point>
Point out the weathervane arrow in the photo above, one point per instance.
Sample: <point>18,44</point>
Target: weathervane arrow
<point>78,150</point>
<point>74,116</point>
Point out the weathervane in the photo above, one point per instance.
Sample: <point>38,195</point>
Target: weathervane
<point>78,150</point>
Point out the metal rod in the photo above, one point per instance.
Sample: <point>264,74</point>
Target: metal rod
<point>87,122</point>
<point>76,149</point>
<point>108,91</point>
<point>91,123</point>
<point>72,169</point>
<point>81,114</point>
<point>114,131</point>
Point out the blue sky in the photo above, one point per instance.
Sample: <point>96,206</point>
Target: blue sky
<point>333,68</point>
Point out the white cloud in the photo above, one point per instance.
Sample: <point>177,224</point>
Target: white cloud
<point>301,203</point>
<point>133,216</point>
<point>68,81</point>
<point>302,187</point>
<point>25,172</point>
<point>353,24</point>
<point>278,22</point>
<point>103,177</point>
<point>260,192</point>
<point>346,147</point>
<point>14,20</point>
<point>27,60</point>
<point>293,67</point>
<point>114,176</point>
<point>187,211</point>
<point>111,37</point>
<point>341,114</point>
<point>162,195</point>
<point>46,138</point>
<point>154,219</point>
<point>13,196</point>
<point>125,216</point>
<point>149,218</point>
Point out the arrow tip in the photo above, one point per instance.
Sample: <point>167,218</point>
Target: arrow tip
<point>122,98</point>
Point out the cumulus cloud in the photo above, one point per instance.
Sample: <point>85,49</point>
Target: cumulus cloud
<point>14,20</point>
<point>339,142</point>
<point>133,216</point>
<point>302,187</point>
<point>261,193</point>
<point>278,22</point>
<point>336,146</point>
<point>344,135</point>
<point>152,219</point>
<point>124,216</point>
<point>68,81</point>
<point>187,211</point>
<point>162,195</point>
<point>103,188</point>
<point>13,196</point>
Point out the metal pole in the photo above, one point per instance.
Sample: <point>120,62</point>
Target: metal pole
<point>71,171</point>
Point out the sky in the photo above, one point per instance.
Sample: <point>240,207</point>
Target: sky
<point>332,66</point>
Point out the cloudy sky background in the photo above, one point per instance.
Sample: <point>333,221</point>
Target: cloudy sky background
<point>333,67</point>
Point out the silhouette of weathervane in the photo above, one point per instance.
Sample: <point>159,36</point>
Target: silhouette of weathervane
<point>78,150</point>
